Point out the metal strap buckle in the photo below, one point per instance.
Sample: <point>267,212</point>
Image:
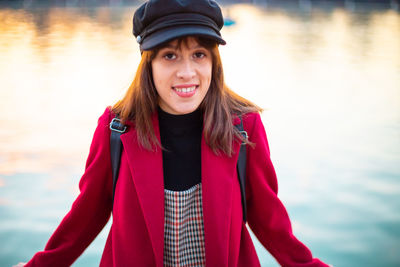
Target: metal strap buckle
<point>244,134</point>
<point>115,123</point>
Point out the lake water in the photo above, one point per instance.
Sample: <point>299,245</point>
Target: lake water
<point>328,78</point>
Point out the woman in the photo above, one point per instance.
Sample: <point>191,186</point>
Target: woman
<point>177,201</point>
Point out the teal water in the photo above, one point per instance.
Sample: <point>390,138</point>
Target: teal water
<point>328,78</point>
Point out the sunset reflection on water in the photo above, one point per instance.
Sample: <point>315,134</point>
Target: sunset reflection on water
<point>329,81</point>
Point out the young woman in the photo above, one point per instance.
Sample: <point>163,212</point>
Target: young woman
<point>178,201</point>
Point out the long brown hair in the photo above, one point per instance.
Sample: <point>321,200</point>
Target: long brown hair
<point>219,106</point>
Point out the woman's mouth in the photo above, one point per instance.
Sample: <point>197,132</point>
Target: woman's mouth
<point>185,91</point>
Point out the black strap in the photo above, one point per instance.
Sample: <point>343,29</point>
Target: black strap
<point>241,168</point>
<point>117,128</point>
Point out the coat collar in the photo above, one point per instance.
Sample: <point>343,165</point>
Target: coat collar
<point>218,174</point>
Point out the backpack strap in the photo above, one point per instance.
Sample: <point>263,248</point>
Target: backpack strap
<point>241,167</point>
<point>117,128</point>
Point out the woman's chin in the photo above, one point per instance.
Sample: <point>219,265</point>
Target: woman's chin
<point>184,111</point>
<point>180,109</point>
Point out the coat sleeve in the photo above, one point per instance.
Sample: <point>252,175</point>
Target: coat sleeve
<point>267,217</point>
<point>90,211</point>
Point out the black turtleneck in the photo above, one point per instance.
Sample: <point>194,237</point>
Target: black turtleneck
<point>181,140</point>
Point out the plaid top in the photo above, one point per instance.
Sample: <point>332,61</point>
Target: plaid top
<point>183,228</point>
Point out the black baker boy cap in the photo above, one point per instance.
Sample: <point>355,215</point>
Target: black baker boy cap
<point>159,21</point>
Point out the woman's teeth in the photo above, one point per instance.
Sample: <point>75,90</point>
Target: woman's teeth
<point>185,90</point>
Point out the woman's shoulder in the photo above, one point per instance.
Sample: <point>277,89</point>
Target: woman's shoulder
<point>254,126</point>
<point>251,116</point>
<point>249,119</point>
<point>107,116</point>
<point>103,122</point>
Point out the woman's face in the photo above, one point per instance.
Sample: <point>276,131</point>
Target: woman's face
<point>182,76</point>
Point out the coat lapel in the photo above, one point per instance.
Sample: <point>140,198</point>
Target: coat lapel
<point>147,173</point>
<point>218,174</point>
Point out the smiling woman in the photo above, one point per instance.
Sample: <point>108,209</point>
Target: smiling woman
<point>182,75</point>
<point>179,200</point>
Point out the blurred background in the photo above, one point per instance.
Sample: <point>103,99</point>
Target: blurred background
<point>327,74</point>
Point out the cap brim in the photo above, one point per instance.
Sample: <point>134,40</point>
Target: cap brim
<point>168,34</point>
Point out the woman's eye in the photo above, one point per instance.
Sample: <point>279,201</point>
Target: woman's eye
<point>199,55</point>
<point>169,56</point>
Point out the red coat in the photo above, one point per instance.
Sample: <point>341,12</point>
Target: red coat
<point>136,237</point>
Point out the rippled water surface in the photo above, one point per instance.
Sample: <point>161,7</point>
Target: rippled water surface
<point>328,78</point>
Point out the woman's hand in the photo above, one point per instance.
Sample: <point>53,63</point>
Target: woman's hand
<point>21,264</point>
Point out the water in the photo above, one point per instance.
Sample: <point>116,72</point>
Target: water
<point>328,78</point>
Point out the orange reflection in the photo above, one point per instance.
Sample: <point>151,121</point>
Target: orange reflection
<point>322,74</point>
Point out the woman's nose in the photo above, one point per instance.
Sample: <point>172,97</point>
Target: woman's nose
<point>186,70</point>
